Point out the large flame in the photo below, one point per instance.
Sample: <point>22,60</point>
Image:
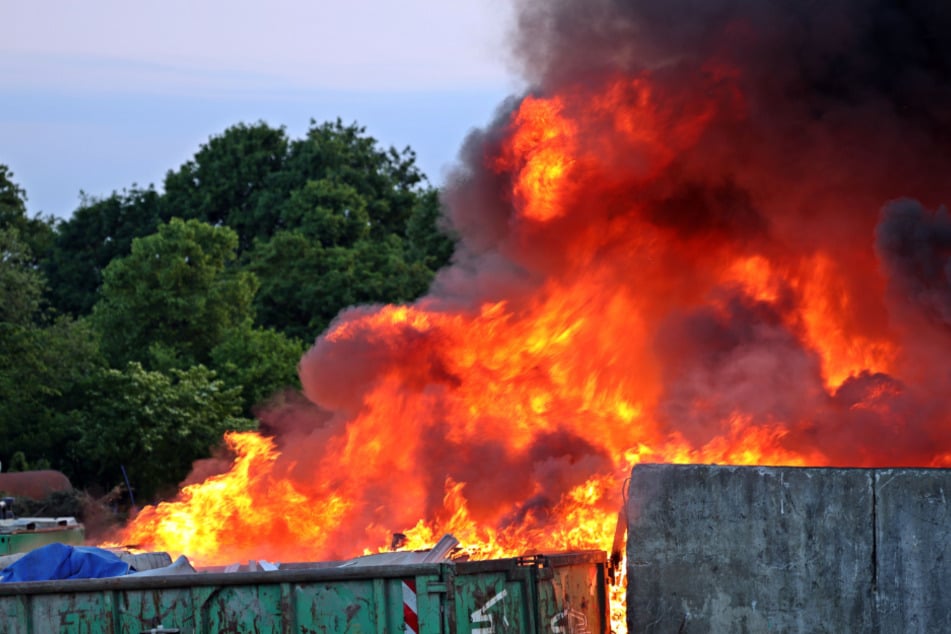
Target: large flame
<point>653,265</point>
<point>512,423</point>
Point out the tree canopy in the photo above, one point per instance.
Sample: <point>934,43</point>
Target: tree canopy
<point>97,233</point>
<point>225,182</point>
<point>37,232</point>
<point>43,371</point>
<point>136,331</point>
<point>21,285</point>
<point>173,299</point>
<point>154,424</point>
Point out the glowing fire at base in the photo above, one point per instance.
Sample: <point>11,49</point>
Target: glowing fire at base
<point>635,281</point>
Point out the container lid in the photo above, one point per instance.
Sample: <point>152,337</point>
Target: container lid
<point>27,524</point>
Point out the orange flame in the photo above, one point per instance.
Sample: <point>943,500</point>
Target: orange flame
<point>633,334</point>
<point>541,151</point>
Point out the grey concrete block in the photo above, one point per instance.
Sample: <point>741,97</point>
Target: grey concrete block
<point>749,549</point>
<point>913,546</point>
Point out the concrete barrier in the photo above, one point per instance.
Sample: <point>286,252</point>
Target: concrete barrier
<point>783,549</point>
<point>912,540</point>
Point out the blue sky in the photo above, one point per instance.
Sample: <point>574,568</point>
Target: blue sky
<point>98,95</point>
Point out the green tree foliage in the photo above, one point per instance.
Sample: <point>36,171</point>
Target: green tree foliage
<point>350,224</point>
<point>260,362</point>
<point>198,298</point>
<point>174,298</point>
<point>305,284</point>
<point>388,180</point>
<point>12,197</point>
<point>328,213</point>
<point>41,362</point>
<point>42,370</point>
<point>36,233</point>
<point>429,241</point>
<point>335,186</point>
<point>248,178</point>
<point>225,182</point>
<point>18,462</point>
<point>152,423</point>
<point>21,285</point>
<point>98,232</point>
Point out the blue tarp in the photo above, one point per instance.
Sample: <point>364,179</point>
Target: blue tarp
<point>61,561</point>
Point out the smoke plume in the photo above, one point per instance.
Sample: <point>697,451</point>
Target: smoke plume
<point>703,234</point>
<point>774,132</point>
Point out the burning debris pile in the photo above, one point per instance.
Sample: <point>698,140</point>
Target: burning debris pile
<point>710,232</point>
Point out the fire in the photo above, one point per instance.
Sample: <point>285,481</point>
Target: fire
<point>541,151</point>
<point>824,314</point>
<point>623,297</point>
<point>220,515</point>
<point>551,396</point>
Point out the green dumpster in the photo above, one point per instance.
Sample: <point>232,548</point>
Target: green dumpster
<point>23,534</point>
<point>562,593</point>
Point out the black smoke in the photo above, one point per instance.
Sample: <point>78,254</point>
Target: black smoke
<point>914,246</point>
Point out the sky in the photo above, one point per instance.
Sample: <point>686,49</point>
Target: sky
<point>97,96</point>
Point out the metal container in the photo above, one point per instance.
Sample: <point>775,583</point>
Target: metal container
<point>558,594</point>
<point>23,534</point>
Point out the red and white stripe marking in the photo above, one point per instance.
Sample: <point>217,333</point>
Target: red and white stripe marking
<point>410,612</point>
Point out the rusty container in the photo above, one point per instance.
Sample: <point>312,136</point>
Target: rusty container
<point>562,593</point>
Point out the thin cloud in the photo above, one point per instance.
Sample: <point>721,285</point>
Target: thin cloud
<point>413,45</point>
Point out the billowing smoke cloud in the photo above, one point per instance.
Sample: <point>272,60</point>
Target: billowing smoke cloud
<point>778,131</point>
<point>806,57</point>
<point>671,248</point>
<point>914,246</point>
<point>742,359</point>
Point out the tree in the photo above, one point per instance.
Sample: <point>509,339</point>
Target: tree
<point>261,362</point>
<point>152,423</point>
<point>387,179</point>
<point>246,178</point>
<point>222,185</point>
<point>40,361</point>
<point>36,233</point>
<point>12,196</point>
<point>354,225</point>
<point>174,298</point>
<point>41,371</point>
<point>429,241</point>
<point>18,462</point>
<point>98,232</point>
<point>328,212</point>
<point>21,285</point>
<point>305,284</point>
<point>162,287</point>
